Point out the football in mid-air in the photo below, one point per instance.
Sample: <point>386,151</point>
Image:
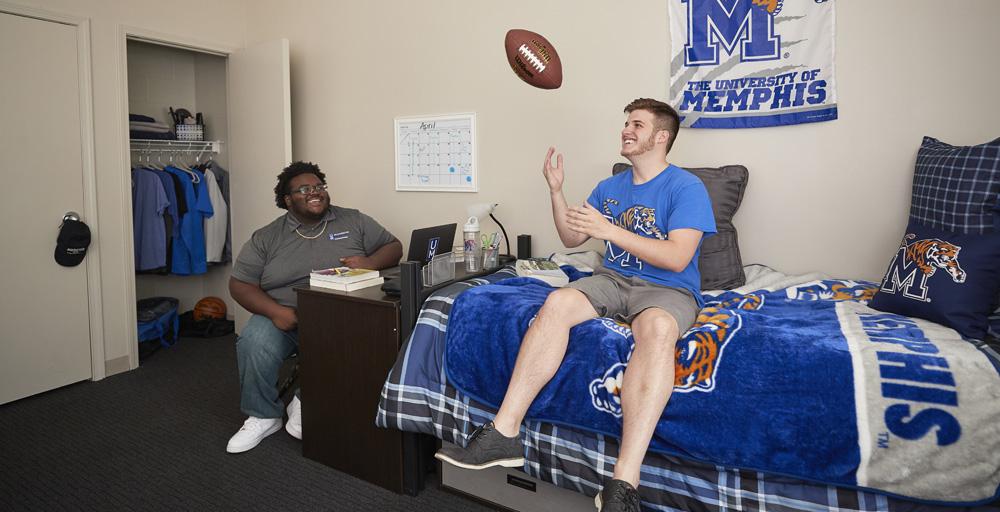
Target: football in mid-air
<point>533,59</point>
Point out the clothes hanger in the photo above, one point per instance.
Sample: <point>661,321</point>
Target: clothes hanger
<point>195,178</point>
<point>149,160</point>
<point>158,165</point>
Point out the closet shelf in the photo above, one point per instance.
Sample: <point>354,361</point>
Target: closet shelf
<point>175,146</point>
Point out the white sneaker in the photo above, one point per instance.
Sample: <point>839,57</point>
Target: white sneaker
<point>253,431</point>
<point>294,425</point>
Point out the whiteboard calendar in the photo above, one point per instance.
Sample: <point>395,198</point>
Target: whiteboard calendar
<point>436,153</point>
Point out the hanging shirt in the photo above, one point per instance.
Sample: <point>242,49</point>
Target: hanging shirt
<point>189,249</point>
<point>216,225</point>
<point>222,175</point>
<point>182,207</point>
<point>172,218</point>
<point>149,201</point>
<point>168,187</point>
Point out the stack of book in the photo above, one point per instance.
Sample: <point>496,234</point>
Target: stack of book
<point>544,270</point>
<point>345,279</point>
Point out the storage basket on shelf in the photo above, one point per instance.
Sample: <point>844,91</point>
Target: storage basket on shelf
<point>194,132</point>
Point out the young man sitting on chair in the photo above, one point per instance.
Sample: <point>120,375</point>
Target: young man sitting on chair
<point>313,234</point>
<point>652,218</point>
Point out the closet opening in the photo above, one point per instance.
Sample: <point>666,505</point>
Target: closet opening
<point>179,167</point>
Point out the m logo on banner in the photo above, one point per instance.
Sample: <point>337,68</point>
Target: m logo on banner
<point>715,23</point>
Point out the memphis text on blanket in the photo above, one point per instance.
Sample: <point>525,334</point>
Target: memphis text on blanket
<point>924,400</point>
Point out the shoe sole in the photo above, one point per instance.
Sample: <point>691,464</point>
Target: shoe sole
<point>251,447</point>
<point>507,463</point>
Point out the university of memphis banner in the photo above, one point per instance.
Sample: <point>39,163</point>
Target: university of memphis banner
<point>752,63</point>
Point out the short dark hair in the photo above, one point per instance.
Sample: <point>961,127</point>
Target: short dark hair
<point>290,172</point>
<point>666,118</point>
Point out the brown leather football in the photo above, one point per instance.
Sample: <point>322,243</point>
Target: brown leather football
<point>533,59</point>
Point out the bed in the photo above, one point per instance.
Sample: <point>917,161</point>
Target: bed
<point>787,438</point>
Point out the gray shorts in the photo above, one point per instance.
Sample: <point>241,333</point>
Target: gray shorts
<point>623,298</point>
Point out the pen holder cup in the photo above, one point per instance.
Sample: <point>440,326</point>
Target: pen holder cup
<point>440,269</point>
<point>490,258</point>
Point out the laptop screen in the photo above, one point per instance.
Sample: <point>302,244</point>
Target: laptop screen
<point>425,243</point>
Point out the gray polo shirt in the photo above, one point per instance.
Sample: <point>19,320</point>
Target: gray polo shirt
<point>277,258</point>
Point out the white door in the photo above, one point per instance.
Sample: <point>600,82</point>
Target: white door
<point>44,314</point>
<point>260,128</point>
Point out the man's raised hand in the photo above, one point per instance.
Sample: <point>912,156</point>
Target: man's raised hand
<point>553,174</point>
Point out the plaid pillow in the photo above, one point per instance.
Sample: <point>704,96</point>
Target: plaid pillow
<point>956,188</point>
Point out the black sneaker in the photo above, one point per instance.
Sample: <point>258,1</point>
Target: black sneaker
<point>486,448</point>
<point>617,496</point>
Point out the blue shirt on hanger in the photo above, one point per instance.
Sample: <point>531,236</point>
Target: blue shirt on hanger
<point>149,201</point>
<point>189,249</point>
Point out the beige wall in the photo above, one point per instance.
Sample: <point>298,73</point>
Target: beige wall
<point>217,23</point>
<point>830,197</point>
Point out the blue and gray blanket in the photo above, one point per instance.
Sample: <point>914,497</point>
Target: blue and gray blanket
<point>804,381</point>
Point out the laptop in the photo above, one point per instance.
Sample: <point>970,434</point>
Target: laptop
<point>425,243</point>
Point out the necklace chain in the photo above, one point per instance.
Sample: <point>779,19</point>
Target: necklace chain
<point>314,236</point>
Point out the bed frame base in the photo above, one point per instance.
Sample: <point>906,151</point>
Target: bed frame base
<point>512,489</point>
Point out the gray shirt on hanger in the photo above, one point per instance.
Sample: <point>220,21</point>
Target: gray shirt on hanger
<point>277,258</point>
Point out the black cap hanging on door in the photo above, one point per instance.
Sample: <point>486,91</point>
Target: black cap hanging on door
<point>72,243</point>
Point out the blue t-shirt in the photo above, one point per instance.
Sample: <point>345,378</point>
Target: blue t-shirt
<point>189,249</point>
<point>149,201</point>
<point>674,199</point>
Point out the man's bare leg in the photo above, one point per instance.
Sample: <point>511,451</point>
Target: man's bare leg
<point>646,388</point>
<point>542,351</point>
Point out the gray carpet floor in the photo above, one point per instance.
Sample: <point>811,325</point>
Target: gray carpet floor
<point>154,439</point>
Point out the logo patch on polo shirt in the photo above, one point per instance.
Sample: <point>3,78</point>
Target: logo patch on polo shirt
<point>339,236</point>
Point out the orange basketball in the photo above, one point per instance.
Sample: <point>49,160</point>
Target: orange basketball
<point>209,307</point>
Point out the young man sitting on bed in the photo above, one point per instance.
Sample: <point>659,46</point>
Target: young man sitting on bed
<point>278,257</point>
<point>652,218</point>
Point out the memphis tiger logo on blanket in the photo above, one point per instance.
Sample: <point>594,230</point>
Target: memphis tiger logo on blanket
<point>832,290</point>
<point>697,357</point>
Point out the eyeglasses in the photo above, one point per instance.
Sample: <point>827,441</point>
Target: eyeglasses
<point>310,189</point>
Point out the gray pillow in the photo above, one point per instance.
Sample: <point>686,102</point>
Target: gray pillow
<point>720,263</point>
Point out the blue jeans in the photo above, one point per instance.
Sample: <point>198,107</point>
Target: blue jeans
<point>261,348</point>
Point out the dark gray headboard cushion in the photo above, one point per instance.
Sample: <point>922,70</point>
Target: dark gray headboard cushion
<point>720,263</point>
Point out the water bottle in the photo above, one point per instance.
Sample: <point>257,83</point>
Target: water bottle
<point>473,251</point>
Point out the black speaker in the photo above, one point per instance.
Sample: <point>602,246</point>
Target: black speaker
<point>523,247</point>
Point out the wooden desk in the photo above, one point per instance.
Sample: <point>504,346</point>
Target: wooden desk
<point>347,343</point>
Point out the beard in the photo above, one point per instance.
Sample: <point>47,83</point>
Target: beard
<point>640,147</point>
<point>305,215</point>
